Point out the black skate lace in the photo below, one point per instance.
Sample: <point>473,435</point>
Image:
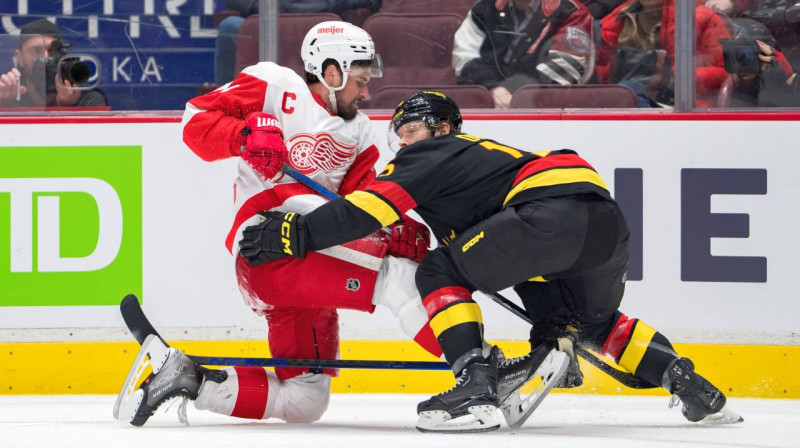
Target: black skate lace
<point>459,381</point>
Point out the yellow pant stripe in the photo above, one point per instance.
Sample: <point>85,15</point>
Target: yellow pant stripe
<point>454,315</point>
<point>557,177</point>
<point>373,205</point>
<point>634,352</point>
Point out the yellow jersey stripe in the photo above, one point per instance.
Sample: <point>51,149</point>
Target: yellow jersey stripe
<point>634,352</point>
<point>457,314</point>
<point>557,176</point>
<point>375,206</point>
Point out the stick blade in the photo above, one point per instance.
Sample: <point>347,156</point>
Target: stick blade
<point>135,319</point>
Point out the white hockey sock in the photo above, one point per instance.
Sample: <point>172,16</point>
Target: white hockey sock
<point>257,393</point>
<point>395,289</point>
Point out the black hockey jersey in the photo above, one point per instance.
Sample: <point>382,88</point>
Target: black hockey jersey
<point>453,182</point>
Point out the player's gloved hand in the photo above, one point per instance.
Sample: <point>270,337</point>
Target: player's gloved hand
<point>280,235</point>
<point>261,144</point>
<point>556,333</point>
<point>409,239</point>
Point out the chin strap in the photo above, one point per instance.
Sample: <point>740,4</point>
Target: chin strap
<point>332,100</point>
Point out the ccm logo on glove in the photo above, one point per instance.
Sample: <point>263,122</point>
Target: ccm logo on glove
<point>286,232</point>
<point>279,235</point>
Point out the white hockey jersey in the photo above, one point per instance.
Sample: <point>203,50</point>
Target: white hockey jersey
<point>336,153</point>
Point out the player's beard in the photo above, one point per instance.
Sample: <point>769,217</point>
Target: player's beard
<point>347,110</point>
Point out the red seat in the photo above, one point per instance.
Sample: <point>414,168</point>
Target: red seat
<point>725,92</point>
<point>293,29</point>
<point>466,96</point>
<point>594,96</point>
<point>460,7</point>
<point>415,48</point>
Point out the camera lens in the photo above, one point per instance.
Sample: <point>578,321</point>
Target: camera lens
<point>75,71</point>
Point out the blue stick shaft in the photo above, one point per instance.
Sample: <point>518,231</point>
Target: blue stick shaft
<point>308,182</point>
<point>318,363</point>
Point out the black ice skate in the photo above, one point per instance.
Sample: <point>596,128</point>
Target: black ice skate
<point>469,406</point>
<point>174,376</point>
<point>702,402</point>
<point>542,369</point>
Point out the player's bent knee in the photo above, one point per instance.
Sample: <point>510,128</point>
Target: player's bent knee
<point>432,270</point>
<point>307,398</point>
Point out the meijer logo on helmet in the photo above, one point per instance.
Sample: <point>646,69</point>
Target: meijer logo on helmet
<point>70,225</point>
<point>333,30</point>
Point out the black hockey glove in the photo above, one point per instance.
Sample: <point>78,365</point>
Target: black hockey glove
<point>280,235</point>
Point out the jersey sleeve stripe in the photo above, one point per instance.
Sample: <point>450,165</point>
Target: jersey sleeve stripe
<point>547,162</point>
<point>265,200</point>
<point>557,177</point>
<point>374,205</point>
<point>361,172</point>
<point>394,193</point>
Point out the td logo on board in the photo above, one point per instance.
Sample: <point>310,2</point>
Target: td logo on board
<point>70,225</point>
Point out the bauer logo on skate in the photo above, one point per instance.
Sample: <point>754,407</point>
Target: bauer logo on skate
<point>74,220</point>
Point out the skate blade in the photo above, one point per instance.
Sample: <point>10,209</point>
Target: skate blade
<point>516,409</point>
<point>725,416</point>
<point>480,419</point>
<point>153,354</point>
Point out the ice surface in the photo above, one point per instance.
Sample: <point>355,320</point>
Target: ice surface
<point>387,421</point>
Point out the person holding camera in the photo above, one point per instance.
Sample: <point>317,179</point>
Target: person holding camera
<point>41,78</point>
<point>763,76</point>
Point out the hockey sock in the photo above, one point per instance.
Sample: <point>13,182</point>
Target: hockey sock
<point>257,393</point>
<point>457,323</point>
<point>639,349</point>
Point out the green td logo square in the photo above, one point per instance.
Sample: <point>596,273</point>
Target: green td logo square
<point>70,225</point>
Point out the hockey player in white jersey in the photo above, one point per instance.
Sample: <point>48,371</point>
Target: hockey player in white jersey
<point>269,116</point>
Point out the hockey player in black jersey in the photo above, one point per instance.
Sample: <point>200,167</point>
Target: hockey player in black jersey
<point>544,223</point>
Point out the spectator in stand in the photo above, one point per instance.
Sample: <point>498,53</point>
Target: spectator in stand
<point>782,17</point>
<point>638,51</point>
<point>228,29</point>
<point>227,32</point>
<point>41,43</point>
<point>503,45</point>
<point>764,76</point>
<point>601,8</point>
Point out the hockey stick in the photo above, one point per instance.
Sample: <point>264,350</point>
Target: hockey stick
<point>625,378</point>
<point>308,182</point>
<point>140,327</point>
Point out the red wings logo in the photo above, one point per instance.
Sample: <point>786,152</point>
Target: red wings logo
<point>309,153</point>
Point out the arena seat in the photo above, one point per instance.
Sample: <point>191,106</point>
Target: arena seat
<point>466,96</point>
<point>595,96</point>
<point>415,48</point>
<point>725,92</point>
<point>460,7</point>
<point>293,29</point>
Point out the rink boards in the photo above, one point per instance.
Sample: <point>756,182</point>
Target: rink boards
<point>94,208</point>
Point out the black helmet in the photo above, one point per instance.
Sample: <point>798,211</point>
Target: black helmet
<point>430,107</point>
